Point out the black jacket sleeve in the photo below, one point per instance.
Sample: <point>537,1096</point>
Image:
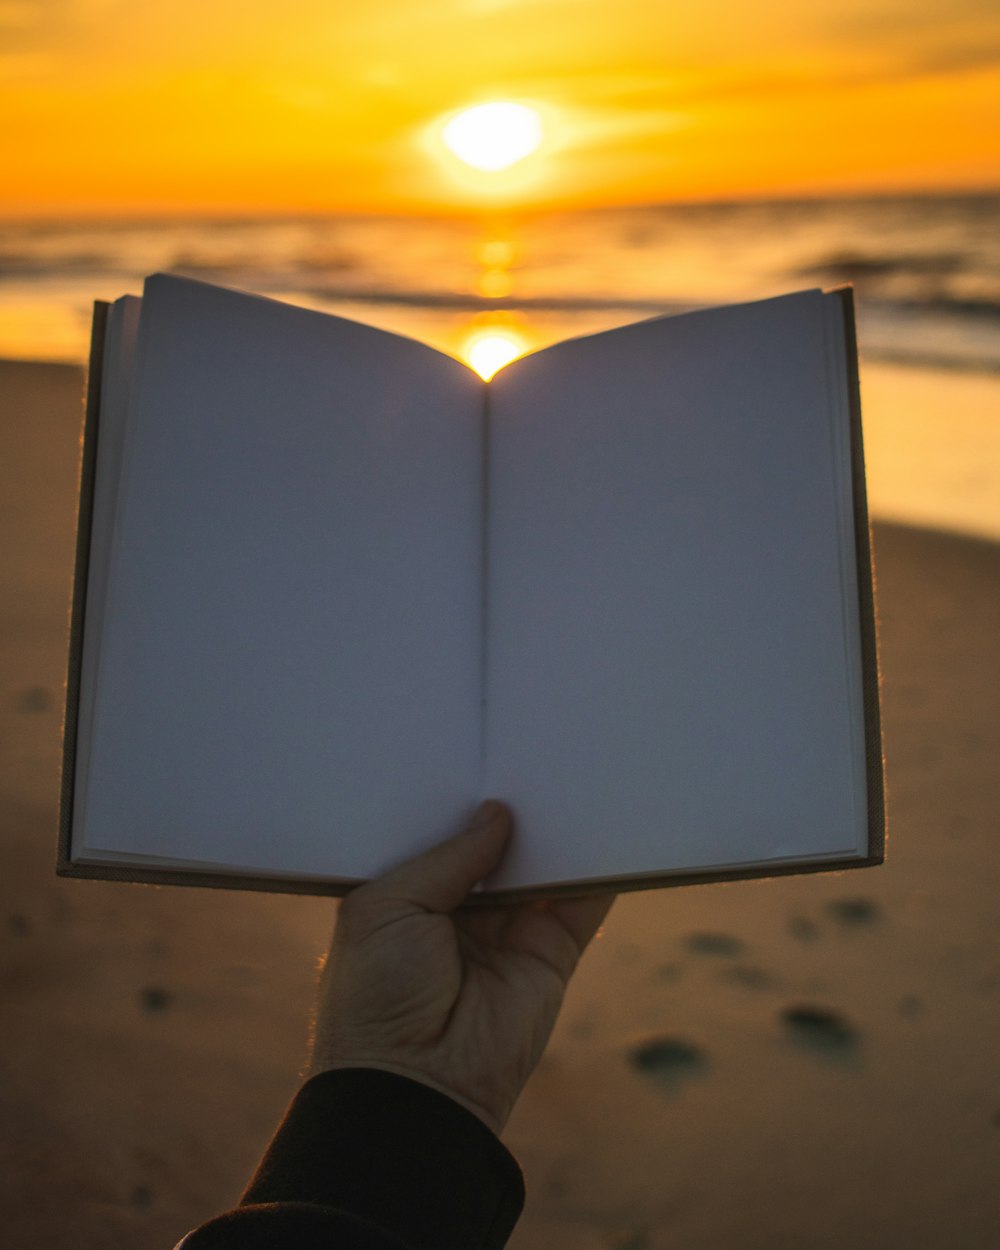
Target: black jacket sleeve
<point>367,1160</point>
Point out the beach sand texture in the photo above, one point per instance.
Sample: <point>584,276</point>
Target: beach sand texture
<point>810,1062</point>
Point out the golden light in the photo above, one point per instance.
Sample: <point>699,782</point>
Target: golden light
<point>494,283</point>
<point>494,136</point>
<point>489,350</point>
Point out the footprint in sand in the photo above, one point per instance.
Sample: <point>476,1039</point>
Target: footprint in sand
<point>669,972</point>
<point>33,699</point>
<point>822,1031</point>
<point>854,911</point>
<point>751,976</point>
<point>670,1061</point>
<point>632,1240</point>
<point>723,944</point>
<point>803,928</point>
<point>153,999</point>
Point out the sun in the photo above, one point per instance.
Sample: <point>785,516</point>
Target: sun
<point>494,136</point>
<point>488,351</point>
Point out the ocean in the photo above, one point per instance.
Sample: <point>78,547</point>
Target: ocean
<point>926,270</point>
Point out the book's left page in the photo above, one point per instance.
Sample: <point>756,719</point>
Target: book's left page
<point>117,355</point>
<point>288,679</point>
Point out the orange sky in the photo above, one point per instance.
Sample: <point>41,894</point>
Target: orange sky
<point>288,105</point>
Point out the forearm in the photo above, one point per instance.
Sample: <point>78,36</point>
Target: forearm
<point>368,1160</point>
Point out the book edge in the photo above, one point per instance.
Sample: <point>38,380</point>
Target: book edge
<point>161,278</point>
<point>260,883</point>
<point>81,569</point>
<point>867,605</point>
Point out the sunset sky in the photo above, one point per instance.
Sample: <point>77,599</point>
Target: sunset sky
<point>111,106</point>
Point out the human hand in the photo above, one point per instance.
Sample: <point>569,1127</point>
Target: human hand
<point>464,1001</point>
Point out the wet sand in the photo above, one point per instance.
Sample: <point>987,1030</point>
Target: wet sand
<point>808,1062</point>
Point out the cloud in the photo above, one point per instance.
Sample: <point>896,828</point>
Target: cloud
<point>922,36</point>
<point>52,23</point>
<point>958,59</point>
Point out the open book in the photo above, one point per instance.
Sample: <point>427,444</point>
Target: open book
<point>332,590</point>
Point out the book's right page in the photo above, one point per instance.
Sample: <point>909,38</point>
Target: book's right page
<point>673,655</point>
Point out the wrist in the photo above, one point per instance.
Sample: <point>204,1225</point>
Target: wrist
<point>391,1150</point>
<point>493,1122</point>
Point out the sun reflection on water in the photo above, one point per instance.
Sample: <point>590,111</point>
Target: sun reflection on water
<point>488,350</point>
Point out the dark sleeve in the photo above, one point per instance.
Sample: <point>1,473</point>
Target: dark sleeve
<point>367,1160</point>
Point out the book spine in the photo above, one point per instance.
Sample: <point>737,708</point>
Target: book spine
<point>484,564</point>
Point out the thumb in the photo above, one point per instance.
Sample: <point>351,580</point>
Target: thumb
<point>441,878</point>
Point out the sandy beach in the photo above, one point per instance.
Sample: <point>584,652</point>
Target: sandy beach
<point>801,1063</point>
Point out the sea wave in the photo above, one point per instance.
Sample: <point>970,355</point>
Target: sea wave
<point>850,266</point>
<point>926,272</point>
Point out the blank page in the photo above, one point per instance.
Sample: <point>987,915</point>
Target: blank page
<point>118,361</point>
<point>673,665</point>
<point>290,677</point>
